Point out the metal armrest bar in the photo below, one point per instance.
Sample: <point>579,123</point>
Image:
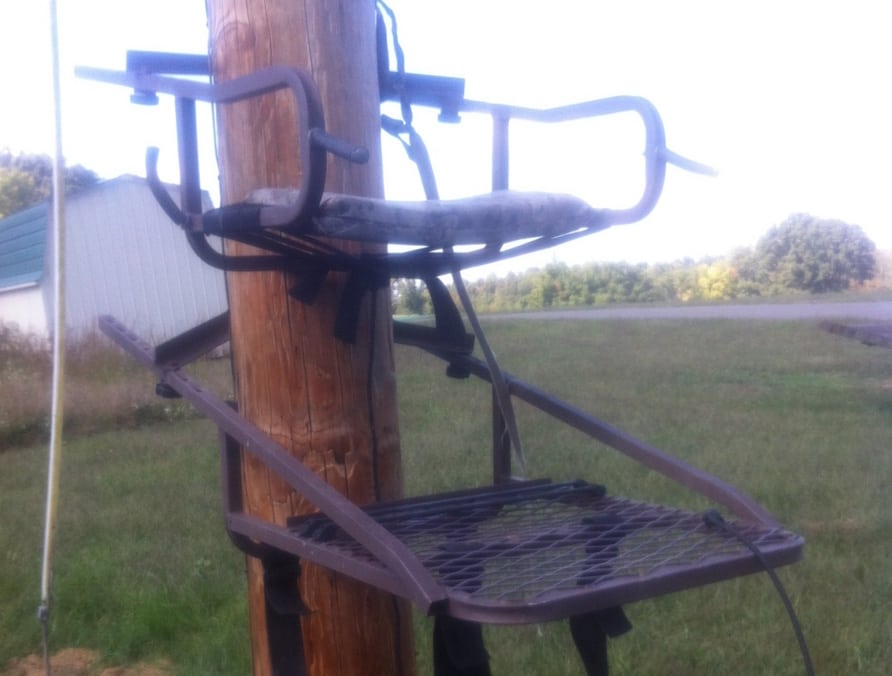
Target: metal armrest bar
<point>420,586</point>
<point>182,349</point>
<point>165,62</point>
<point>669,466</point>
<point>656,154</point>
<point>655,151</point>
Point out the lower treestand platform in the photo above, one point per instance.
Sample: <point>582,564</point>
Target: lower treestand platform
<point>539,551</point>
<point>511,553</point>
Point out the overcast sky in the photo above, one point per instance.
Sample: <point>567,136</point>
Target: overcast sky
<point>790,100</point>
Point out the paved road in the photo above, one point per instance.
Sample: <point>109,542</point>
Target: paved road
<point>870,311</point>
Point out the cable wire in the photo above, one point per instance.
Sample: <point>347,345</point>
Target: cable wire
<point>713,518</point>
<point>56,415</point>
<point>499,384</point>
<point>417,152</point>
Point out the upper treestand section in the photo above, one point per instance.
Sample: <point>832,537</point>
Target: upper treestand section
<point>288,223</point>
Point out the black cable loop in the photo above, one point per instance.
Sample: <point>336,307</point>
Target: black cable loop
<point>713,518</point>
<point>370,379</point>
<point>405,104</point>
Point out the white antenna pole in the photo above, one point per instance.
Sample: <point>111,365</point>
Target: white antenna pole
<point>56,415</point>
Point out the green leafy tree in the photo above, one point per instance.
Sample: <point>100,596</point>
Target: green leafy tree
<point>716,280</point>
<point>410,297</point>
<point>16,191</point>
<point>745,265</point>
<point>27,179</point>
<point>805,253</point>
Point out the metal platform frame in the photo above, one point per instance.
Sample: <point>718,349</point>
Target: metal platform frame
<point>509,554</point>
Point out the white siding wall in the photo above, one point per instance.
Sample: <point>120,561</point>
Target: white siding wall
<point>124,257</point>
<point>24,307</point>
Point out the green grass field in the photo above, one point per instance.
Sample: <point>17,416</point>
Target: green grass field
<point>796,417</point>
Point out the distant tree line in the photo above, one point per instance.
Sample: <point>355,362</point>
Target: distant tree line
<point>27,179</point>
<point>804,254</point>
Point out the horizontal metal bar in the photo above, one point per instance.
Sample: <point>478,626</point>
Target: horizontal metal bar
<point>466,499</point>
<point>435,91</point>
<point>194,343</point>
<point>619,592</point>
<point>655,152</point>
<point>167,62</point>
<point>281,538</point>
<point>574,111</point>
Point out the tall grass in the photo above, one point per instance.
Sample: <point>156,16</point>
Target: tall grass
<point>798,418</point>
<point>103,388</point>
<point>143,569</point>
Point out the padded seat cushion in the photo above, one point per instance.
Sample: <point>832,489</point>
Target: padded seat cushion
<point>493,218</point>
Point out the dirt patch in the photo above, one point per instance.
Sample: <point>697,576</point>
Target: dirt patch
<point>80,662</point>
<point>68,662</point>
<point>139,670</point>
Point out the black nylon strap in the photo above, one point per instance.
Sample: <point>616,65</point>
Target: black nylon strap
<point>283,610</point>
<point>458,648</point>
<point>359,282</point>
<point>590,632</point>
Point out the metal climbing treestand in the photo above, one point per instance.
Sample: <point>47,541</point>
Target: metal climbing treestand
<point>514,552</point>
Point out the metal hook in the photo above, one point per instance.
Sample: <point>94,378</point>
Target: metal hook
<point>339,147</point>
<point>159,192</point>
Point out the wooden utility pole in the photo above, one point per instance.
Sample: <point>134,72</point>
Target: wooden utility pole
<point>332,404</point>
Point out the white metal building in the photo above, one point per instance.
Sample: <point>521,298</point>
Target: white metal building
<point>124,257</point>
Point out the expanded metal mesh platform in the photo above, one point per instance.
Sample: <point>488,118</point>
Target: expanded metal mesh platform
<point>540,550</point>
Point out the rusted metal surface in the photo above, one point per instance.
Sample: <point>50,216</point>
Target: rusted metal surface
<point>512,553</point>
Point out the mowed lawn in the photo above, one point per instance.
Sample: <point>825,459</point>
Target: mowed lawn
<point>798,418</point>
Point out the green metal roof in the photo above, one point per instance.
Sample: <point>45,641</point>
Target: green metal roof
<point>22,247</point>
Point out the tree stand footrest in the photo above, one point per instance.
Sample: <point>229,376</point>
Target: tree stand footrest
<point>539,551</point>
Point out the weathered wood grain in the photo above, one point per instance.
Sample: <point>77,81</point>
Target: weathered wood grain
<point>306,390</point>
